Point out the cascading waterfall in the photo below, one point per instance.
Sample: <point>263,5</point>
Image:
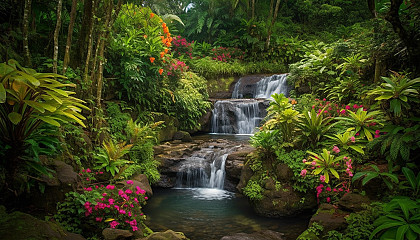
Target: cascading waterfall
<point>270,85</point>
<point>195,169</point>
<point>242,116</point>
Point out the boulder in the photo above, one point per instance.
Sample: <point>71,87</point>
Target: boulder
<point>283,200</point>
<point>167,235</point>
<point>116,234</point>
<point>183,136</point>
<point>18,225</point>
<point>234,165</point>
<point>283,172</point>
<point>142,181</point>
<point>330,217</point>
<point>353,202</point>
<point>205,122</point>
<point>171,125</point>
<point>263,235</point>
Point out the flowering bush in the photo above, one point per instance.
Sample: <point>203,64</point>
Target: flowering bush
<point>325,164</point>
<point>117,207</point>
<point>332,109</point>
<point>224,54</point>
<point>103,206</point>
<point>181,47</point>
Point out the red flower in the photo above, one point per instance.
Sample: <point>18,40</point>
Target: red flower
<point>152,15</point>
<point>160,71</point>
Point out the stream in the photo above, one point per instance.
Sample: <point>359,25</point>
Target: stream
<point>198,205</point>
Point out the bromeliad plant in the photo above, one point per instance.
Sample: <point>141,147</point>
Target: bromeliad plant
<point>324,164</point>
<point>396,94</point>
<point>314,126</point>
<point>363,122</point>
<point>347,140</point>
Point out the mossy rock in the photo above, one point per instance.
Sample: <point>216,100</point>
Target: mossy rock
<point>18,226</point>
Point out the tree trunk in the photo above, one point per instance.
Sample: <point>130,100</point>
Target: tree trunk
<point>270,27</point>
<point>87,24</point>
<point>56,34</point>
<point>25,32</point>
<point>69,35</point>
<point>372,8</point>
<point>409,40</point>
<point>252,9</point>
<point>89,50</point>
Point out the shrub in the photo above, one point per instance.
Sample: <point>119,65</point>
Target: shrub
<point>253,190</point>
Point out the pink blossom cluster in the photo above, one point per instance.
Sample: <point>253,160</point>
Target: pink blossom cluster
<point>349,166</point>
<point>182,47</point>
<point>225,54</point>
<point>177,68</point>
<point>121,205</point>
<point>333,109</point>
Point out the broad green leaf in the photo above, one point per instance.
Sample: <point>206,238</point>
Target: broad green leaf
<point>409,174</point>
<point>369,176</point>
<point>335,173</point>
<point>2,93</point>
<point>15,117</point>
<point>401,232</point>
<point>48,120</point>
<point>357,149</point>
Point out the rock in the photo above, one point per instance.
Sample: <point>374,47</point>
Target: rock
<point>205,122</point>
<point>142,181</point>
<point>246,174</point>
<point>283,172</point>
<point>167,235</point>
<point>18,226</point>
<point>330,218</point>
<point>116,234</point>
<point>353,202</point>
<point>283,201</point>
<point>183,136</point>
<point>165,182</point>
<point>171,125</point>
<point>234,165</point>
<point>221,87</point>
<point>263,235</point>
<point>65,173</point>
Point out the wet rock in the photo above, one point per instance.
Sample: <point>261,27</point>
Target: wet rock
<point>234,165</point>
<point>167,235</point>
<point>283,172</point>
<point>183,136</point>
<point>353,202</point>
<point>205,122</point>
<point>279,201</point>
<point>171,125</point>
<point>18,226</point>
<point>330,217</point>
<point>165,182</point>
<point>263,235</point>
<point>116,234</point>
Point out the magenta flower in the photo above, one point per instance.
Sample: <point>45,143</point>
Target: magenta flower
<point>353,139</point>
<point>328,189</point>
<point>88,170</point>
<point>303,172</point>
<point>111,201</point>
<point>322,178</point>
<point>336,149</point>
<point>304,160</point>
<point>348,107</point>
<point>377,132</point>
<point>113,224</point>
<point>355,106</point>
<point>110,187</point>
<point>98,219</point>
<point>313,163</point>
<point>128,191</point>
<point>88,189</point>
<point>328,199</point>
<point>129,181</point>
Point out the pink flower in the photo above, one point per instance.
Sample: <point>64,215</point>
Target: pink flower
<point>376,135</point>
<point>128,191</point>
<point>328,189</point>
<point>324,99</point>
<point>353,139</point>
<point>113,224</point>
<point>377,132</point>
<point>336,149</point>
<point>357,134</point>
<point>88,189</point>
<point>120,192</point>
<point>303,172</point>
<point>104,194</point>
<point>328,199</point>
<point>342,111</point>
<point>98,219</point>
<point>145,198</point>
<point>111,201</point>
<point>304,160</point>
<point>322,178</point>
<point>129,181</point>
<point>110,187</point>
<point>88,170</point>
<point>87,179</point>
<point>348,107</point>
<point>313,163</point>
<point>355,106</point>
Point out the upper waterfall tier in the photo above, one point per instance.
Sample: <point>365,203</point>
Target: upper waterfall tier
<point>260,87</point>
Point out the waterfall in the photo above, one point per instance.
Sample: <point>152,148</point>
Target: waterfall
<point>270,85</point>
<point>242,116</point>
<point>195,169</point>
<point>236,116</point>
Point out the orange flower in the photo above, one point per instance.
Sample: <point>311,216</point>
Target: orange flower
<point>168,44</point>
<point>162,54</point>
<point>164,25</point>
<point>145,36</point>
<point>160,71</point>
<point>152,59</point>
<point>162,37</point>
<point>166,50</point>
<point>293,102</point>
<point>152,15</point>
<point>134,12</point>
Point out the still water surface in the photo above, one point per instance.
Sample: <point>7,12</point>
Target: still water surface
<point>205,213</point>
